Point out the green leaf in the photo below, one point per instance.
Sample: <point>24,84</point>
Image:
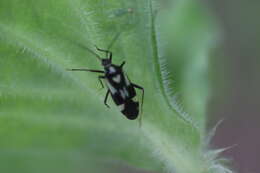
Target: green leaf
<point>53,120</point>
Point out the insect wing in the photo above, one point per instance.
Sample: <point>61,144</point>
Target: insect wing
<point>120,88</point>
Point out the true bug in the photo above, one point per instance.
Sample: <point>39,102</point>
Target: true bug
<point>119,86</point>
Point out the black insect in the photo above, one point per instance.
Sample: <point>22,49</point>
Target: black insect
<point>119,86</point>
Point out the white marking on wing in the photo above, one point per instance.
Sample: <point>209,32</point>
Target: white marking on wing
<point>122,94</point>
<point>117,78</point>
<point>121,107</point>
<point>111,88</point>
<point>126,80</point>
<point>112,70</point>
<point>126,92</point>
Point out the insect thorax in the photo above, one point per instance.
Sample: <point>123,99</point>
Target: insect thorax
<point>112,70</point>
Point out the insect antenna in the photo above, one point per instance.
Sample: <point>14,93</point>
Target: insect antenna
<point>85,47</point>
<point>107,51</point>
<point>114,40</point>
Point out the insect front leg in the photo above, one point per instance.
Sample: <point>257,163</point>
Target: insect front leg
<point>83,69</point>
<point>108,53</point>
<point>105,101</point>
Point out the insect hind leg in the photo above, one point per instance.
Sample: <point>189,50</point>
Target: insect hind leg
<point>142,100</point>
<point>141,88</point>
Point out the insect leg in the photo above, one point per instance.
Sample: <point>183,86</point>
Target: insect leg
<point>105,101</point>
<point>141,88</point>
<point>123,63</point>
<point>83,69</point>
<point>108,53</point>
<point>99,78</point>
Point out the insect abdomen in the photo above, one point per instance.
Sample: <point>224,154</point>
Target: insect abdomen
<point>131,109</point>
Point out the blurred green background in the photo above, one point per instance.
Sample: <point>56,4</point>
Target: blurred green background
<point>54,121</point>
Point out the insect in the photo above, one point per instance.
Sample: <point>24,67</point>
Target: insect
<point>121,89</point>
